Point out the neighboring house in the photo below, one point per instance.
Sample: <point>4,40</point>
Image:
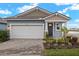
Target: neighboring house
<point>3,24</point>
<point>33,23</point>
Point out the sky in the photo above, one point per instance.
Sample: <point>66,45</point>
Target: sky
<point>71,10</point>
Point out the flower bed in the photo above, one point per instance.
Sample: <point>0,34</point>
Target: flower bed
<point>60,43</point>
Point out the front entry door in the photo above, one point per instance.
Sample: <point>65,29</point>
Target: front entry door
<point>50,29</point>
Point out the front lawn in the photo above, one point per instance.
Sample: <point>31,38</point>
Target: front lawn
<point>61,52</point>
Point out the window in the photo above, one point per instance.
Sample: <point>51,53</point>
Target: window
<point>58,26</point>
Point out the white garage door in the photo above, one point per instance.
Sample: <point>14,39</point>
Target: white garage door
<point>27,32</point>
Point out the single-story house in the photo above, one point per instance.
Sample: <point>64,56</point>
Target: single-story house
<point>3,24</point>
<point>33,23</point>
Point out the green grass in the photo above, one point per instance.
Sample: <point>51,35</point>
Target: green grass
<point>61,52</point>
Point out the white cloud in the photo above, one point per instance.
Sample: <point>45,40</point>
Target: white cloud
<point>72,7</point>
<point>60,12</point>
<point>26,7</point>
<point>64,10</point>
<point>63,3</point>
<point>70,24</point>
<point>67,15</point>
<point>74,24</point>
<point>5,11</point>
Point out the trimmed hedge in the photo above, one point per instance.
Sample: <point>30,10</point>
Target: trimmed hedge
<point>4,35</point>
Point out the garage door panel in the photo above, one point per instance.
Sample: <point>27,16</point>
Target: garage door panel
<point>29,32</point>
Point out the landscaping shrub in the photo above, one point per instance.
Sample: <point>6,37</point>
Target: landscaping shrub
<point>61,40</point>
<point>49,42</point>
<point>74,40</point>
<point>4,35</point>
<point>68,39</point>
<point>46,36</point>
<point>67,42</point>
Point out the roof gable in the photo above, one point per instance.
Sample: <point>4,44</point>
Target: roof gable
<point>34,13</point>
<point>57,16</point>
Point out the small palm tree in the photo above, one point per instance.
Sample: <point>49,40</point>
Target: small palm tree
<point>65,31</point>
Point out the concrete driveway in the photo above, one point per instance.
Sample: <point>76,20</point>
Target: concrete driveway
<point>20,47</point>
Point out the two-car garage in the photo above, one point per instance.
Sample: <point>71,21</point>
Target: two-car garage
<point>27,31</point>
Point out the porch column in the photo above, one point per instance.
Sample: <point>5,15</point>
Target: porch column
<point>53,28</point>
<point>46,26</point>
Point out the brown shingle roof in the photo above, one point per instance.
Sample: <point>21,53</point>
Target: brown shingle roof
<point>58,14</point>
<point>33,13</point>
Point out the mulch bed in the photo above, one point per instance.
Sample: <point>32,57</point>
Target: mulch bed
<point>59,45</point>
